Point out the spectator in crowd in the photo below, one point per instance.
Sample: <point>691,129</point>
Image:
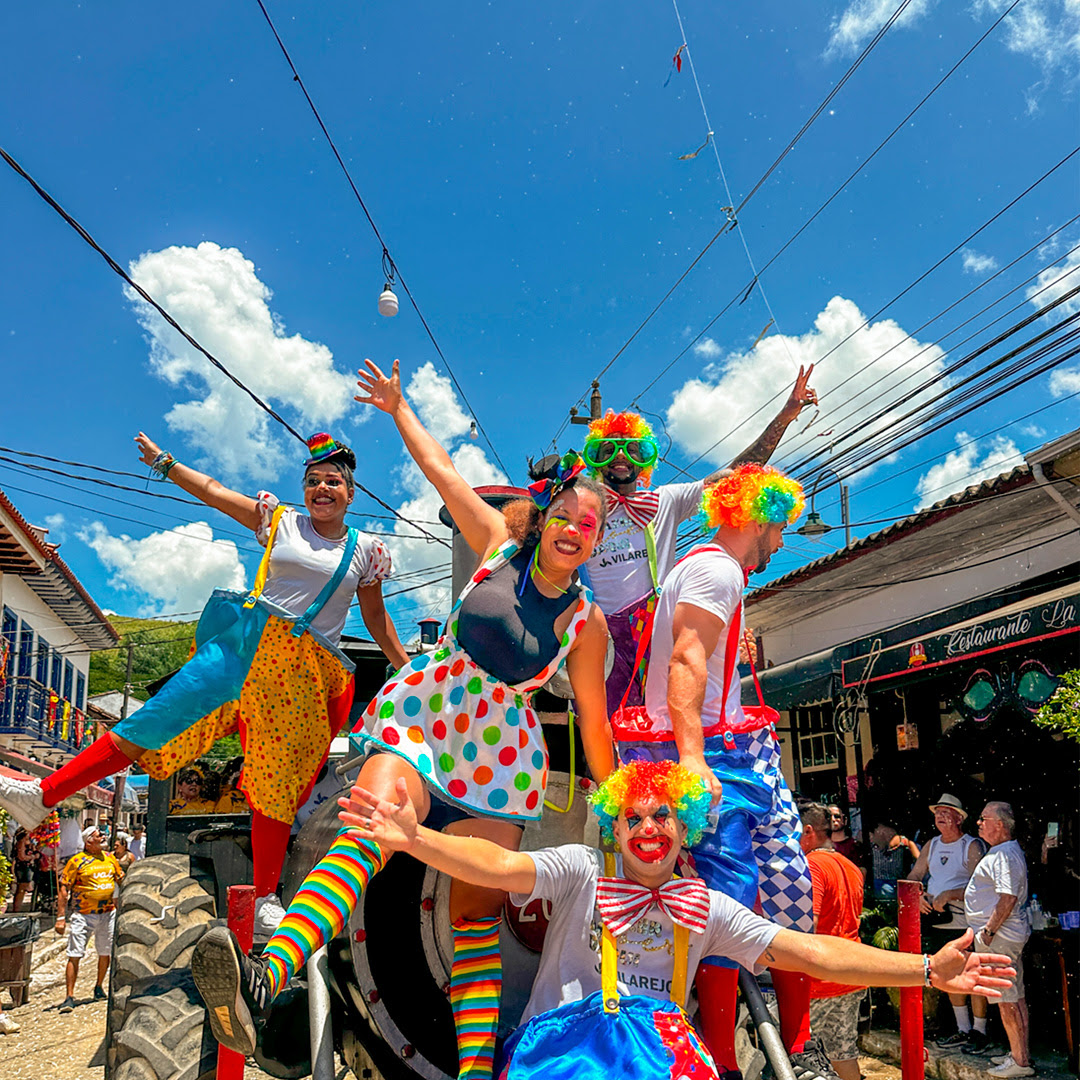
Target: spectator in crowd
<point>70,839</point>
<point>995,904</point>
<point>189,794</point>
<point>841,837</point>
<point>136,845</point>
<point>838,899</point>
<point>25,857</point>
<point>89,880</point>
<point>892,856</point>
<point>946,864</point>
<point>122,852</point>
<point>45,878</point>
<point>232,800</point>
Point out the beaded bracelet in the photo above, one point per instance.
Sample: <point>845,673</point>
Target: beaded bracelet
<point>926,969</point>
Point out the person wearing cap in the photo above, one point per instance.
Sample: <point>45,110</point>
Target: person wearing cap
<point>89,881</point>
<point>947,863</point>
<point>266,663</point>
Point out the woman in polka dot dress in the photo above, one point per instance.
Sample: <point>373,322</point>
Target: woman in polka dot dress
<point>454,731</point>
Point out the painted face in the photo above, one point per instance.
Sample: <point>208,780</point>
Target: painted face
<point>650,837</point>
<point>571,530</point>
<point>326,495</point>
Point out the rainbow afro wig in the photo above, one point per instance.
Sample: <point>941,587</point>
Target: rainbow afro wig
<point>624,425</point>
<point>646,781</point>
<point>752,493</point>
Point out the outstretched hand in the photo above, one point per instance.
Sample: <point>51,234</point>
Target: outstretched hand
<point>957,970</point>
<point>148,449</point>
<point>391,825</point>
<point>382,392</point>
<point>801,393</point>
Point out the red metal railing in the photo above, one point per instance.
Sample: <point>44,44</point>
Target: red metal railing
<point>912,1059</point>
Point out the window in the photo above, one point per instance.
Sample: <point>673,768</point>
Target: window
<point>25,667</point>
<point>817,739</point>
<point>39,703</point>
<point>56,679</point>
<point>80,691</point>
<point>10,630</point>
<point>69,675</point>
<point>44,657</point>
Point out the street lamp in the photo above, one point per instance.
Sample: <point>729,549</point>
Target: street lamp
<point>814,526</point>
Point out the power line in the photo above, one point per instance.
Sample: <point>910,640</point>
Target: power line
<point>813,217</point>
<point>387,258</point>
<point>119,270</point>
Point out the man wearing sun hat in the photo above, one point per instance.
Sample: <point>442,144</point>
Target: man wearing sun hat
<point>947,863</point>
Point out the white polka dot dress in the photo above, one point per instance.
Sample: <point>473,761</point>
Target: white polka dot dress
<point>475,740</point>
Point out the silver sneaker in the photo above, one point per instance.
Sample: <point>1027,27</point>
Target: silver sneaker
<point>268,914</point>
<point>22,800</point>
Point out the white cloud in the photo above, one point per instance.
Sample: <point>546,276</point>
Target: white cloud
<point>56,524</point>
<point>707,349</point>
<point>963,467</point>
<point>1065,381</point>
<point>707,409</point>
<point>215,294</point>
<point>433,397</point>
<point>1054,282</point>
<point>974,263</point>
<point>1045,31</point>
<point>173,570</point>
<point>862,19</point>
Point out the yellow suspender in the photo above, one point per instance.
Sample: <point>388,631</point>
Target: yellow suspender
<point>609,957</point>
<point>264,566</point>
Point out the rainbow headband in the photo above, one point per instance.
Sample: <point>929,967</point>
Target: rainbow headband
<point>624,425</point>
<point>752,493</point>
<point>647,781</point>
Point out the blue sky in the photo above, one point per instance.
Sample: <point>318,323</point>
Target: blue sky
<point>523,166</point>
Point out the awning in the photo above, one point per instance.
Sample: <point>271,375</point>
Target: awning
<point>798,682</point>
<point>1038,618</point>
<point>14,774</point>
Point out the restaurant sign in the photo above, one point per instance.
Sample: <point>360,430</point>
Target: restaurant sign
<point>1050,619</point>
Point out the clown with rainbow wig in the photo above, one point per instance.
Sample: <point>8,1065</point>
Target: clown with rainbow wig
<point>638,546</point>
<point>695,717</point>
<point>626,934</point>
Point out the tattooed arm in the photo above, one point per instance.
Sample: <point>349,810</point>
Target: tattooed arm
<point>767,441</point>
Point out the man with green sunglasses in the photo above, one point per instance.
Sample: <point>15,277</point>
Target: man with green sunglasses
<point>638,546</point>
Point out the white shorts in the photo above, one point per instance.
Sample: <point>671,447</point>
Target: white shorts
<point>79,927</point>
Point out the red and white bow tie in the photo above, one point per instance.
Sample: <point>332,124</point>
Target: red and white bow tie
<point>621,902</point>
<point>640,507</point>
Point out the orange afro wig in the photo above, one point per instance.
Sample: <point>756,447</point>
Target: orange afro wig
<point>752,493</point>
<point>624,425</point>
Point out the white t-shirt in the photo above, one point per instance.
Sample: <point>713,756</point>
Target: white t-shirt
<point>570,962</point>
<point>712,581</point>
<point>135,846</point>
<point>302,562</point>
<point>946,869</point>
<point>618,571</point>
<point>1003,870</point>
<point>71,841</point>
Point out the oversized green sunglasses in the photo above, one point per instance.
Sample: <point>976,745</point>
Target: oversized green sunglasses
<point>643,452</point>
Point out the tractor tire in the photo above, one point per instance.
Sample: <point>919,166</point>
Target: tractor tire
<point>162,912</point>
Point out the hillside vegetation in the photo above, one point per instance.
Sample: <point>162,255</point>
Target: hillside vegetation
<point>160,647</point>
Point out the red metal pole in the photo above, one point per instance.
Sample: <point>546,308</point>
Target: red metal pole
<point>230,1064</point>
<point>912,1061</point>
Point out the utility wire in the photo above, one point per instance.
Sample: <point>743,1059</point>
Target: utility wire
<point>387,258</point>
<point>119,270</point>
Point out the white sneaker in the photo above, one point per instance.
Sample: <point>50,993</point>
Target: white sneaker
<point>7,1025</point>
<point>1000,1059</point>
<point>22,800</point>
<point>268,914</point>
<point>1009,1068</point>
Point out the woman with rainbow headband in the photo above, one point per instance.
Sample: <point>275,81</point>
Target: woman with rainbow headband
<point>694,716</point>
<point>455,731</point>
<point>625,934</point>
<point>265,663</point>
<point>638,548</point>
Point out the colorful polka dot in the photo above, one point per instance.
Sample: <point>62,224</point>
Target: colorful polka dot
<point>456,695</point>
<point>462,723</point>
<point>523,781</point>
<point>435,703</point>
<point>497,695</point>
<point>481,709</point>
<point>475,685</point>
<point>386,710</point>
<point>457,788</point>
<point>523,738</point>
<point>441,673</point>
<point>446,762</point>
<point>415,679</point>
<point>468,751</point>
<point>457,667</point>
<point>423,763</point>
<point>416,734</point>
<point>513,717</point>
<point>492,735</point>
<point>497,799</point>
<point>531,800</point>
<point>411,706</point>
<point>420,662</point>
<point>438,729</point>
<point>537,759</point>
<point>482,775</point>
<point>390,736</point>
<point>507,756</point>
<point>441,654</point>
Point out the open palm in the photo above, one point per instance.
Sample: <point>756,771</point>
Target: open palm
<point>391,825</point>
<point>378,390</point>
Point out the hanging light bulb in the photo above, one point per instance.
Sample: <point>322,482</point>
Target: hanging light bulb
<point>388,303</point>
<point>473,433</point>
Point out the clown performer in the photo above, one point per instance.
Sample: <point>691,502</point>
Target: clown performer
<point>638,548</point>
<point>265,663</point>
<point>692,698</point>
<point>625,934</point>
<point>456,732</point>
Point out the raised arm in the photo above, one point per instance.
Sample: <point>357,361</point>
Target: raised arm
<point>766,443</point>
<point>954,969</point>
<point>379,624</point>
<point>483,527</point>
<point>393,827</point>
<point>240,508</point>
<point>696,635</point>
<point>585,669</point>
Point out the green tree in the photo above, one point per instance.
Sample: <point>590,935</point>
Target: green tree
<point>1062,712</point>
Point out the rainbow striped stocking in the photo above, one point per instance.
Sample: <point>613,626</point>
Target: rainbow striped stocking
<point>475,989</point>
<point>322,907</point>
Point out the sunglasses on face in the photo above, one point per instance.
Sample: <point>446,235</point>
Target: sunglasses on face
<point>639,451</point>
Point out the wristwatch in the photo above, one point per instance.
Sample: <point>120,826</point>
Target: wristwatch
<point>988,935</point>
